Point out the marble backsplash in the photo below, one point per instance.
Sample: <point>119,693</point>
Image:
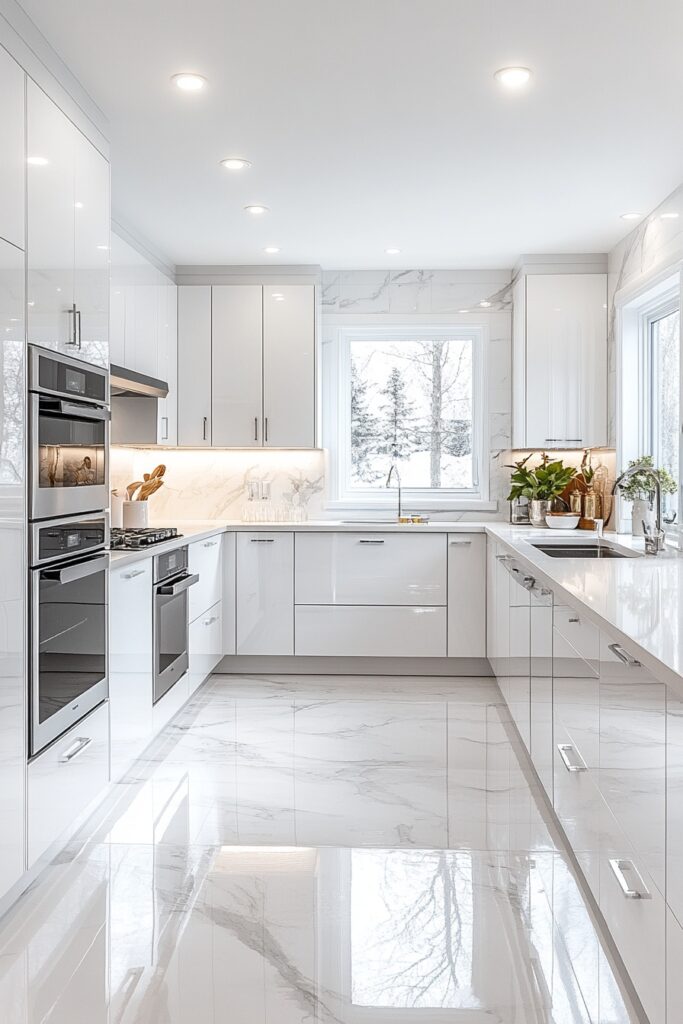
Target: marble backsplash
<point>410,291</point>
<point>212,484</point>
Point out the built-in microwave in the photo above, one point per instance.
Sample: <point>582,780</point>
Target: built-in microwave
<point>68,435</point>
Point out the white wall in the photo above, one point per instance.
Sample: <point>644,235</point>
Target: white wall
<point>656,243</point>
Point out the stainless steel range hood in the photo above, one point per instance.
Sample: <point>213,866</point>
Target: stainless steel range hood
<point>126,382</point>
<point>135,406</point>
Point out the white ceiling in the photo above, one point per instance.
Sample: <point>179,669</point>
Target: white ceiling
<point>376,123</point>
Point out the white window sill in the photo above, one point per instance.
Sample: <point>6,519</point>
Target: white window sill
<point>382,508</point>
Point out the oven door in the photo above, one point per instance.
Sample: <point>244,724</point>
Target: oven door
<point>69,444</point>
<point>69,649</point>
<point>171,629</point>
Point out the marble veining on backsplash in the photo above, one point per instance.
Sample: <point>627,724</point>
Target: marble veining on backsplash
<point>416,291</point>
<point>213,484</point>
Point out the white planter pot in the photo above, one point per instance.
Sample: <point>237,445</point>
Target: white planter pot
<point>640,513</point>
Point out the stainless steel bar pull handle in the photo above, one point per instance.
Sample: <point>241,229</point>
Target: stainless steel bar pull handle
<point>265,430</point>
<point>624,656</point>
<point>208,622</point>
<point>210,543</point>
<point>205,422</point>
<point>78,322</point>
<point>373,541</point>
<point>72,314</point>
<point>463,544</point>
<point>133,574</point>
<point>256,428</point>
<point>262,540</point>
<point>164,428</point>
<point>563,440</point>
<point>76,748</point>
<point>570,756</point>
<point>623,869</point>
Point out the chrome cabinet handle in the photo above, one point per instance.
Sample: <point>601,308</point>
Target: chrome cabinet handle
<point>377,541</point>
<point>262,540</point>
<point>207,622</point>
<point>76,748</point>
<point>573,618</point>
<point>133,574</point>
<point>265,430</point>
<point>503,558</point>
<point>563,440</point>
<point>78,321</point>
<point>624,656</point>
<point>72,313</point>
<point>210,543</point>
<point>164,428</point>
<point>205,421</point>
<point>256,428</point>
<point>621,868</point>
<point>183,584</point>
<point>463,544</point>
<point>576,764</point>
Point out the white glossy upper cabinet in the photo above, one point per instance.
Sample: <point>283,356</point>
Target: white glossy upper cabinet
<point>12,164</point>
<point>68,218</point>
<point>167,363</point>
<point>237,366</point>
<point>51,320</point>
<point>194,366</point>
<point>289,366</point>
<point>560,376</point>
<point>91,247</point>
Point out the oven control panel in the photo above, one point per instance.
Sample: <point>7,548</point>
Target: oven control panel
<point>64,538</point>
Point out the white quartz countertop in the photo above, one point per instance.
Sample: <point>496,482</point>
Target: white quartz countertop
<point>638,599</point>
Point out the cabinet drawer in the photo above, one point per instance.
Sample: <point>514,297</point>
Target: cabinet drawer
<point>466,596</point>
<point>578,631</point>
<point>206,646</point>
<point>371,632</point>
<point>370,569</point>
<point>205,559</point>
<point>636,922</point>
<point>65,780</point>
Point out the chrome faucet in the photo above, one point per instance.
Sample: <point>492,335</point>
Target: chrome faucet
<point>394,470</point>
<point>654,537</point>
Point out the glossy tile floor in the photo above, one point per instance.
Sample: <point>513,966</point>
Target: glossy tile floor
<point>324,849</point>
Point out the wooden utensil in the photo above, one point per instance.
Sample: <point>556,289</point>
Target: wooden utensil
<point>132,488</point>
<point>150,488</point>
<point>158,471</point>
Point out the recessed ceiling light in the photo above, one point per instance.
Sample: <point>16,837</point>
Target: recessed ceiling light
<point>235,163</point>
<point>278,296</point>
<point>189,82</point>
<point>392,252</point>
<point>463,311</point>
<point>514,77</point>
<point>103,248</point>
<point>79,206</point>
<point>485,303</point>
<point>272,250</point>
<point>669,216</point>
<point>30,303</point>
<point>37,161</point>
<point>631,216</point>
<point>256,209</point>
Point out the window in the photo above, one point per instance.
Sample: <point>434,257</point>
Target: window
<point>410,399</point>
<point>663,398</point>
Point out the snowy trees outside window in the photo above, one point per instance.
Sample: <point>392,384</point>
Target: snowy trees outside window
<point>411,403</point>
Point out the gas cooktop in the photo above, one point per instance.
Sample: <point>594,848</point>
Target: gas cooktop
<point>128,540</point>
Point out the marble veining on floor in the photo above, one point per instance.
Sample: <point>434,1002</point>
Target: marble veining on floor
<point>315,849</point>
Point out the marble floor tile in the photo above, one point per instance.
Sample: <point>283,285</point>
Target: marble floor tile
<point>315,850</point>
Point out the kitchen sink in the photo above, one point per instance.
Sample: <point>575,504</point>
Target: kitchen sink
<point>580,551</point>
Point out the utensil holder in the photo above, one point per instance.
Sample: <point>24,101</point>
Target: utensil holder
<point>135,515</point>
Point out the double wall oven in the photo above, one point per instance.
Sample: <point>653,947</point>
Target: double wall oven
<point>69,534</point>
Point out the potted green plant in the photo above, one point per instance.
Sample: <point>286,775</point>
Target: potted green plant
<point>540,484</point>
<point>639,490</point>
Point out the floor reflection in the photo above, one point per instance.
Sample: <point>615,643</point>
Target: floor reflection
<point>216,888</point>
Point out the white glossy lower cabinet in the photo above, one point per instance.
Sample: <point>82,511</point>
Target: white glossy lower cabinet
<point>466,595</point>
<point>66,780</point>
<point>205,559</point>
<point>371,569</point>
<point>206,646</point>
<point>130,663</point>
<point>265,593</point>
<point>370,632</point>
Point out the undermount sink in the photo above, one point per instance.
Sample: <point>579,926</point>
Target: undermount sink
<point>580,550</point>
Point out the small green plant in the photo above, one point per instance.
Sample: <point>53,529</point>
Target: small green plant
<point>640,484</point>
<point>542,483</point>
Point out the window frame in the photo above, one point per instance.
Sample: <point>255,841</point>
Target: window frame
<point>636,308</point>
<point>337,420</point>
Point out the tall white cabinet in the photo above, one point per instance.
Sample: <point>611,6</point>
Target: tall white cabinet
<point>68,219</point>
<point>560,360</point>
<point>246,366</point>
<point>12,83</point>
